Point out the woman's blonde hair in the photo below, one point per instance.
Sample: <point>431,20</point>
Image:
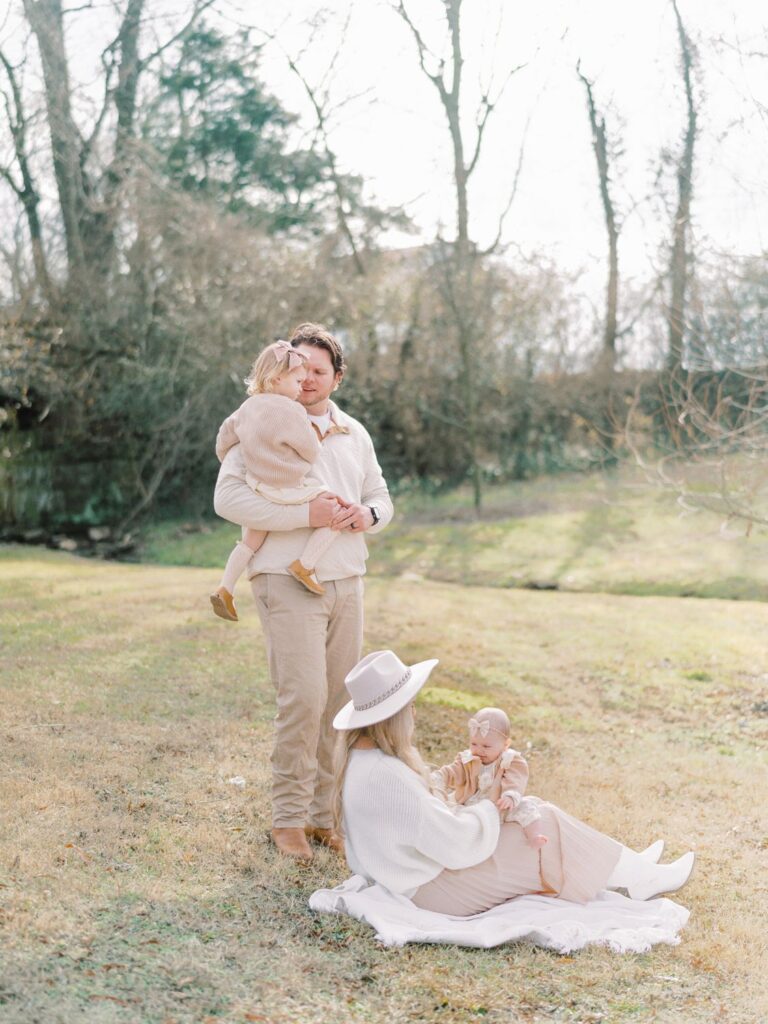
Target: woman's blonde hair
<point>393,736</point>
<point>276,359</point>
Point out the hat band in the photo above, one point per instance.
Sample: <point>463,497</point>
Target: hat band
<point>387,693</point>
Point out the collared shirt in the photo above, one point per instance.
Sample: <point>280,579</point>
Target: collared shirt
<point>321,423</point>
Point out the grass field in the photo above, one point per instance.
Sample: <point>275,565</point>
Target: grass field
<point>610,533</point>
<point>137,883</point>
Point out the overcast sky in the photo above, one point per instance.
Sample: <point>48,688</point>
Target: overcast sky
<point>396,135</point>
<point>393,131</point>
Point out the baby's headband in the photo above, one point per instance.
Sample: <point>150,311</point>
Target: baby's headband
<point>483,728</point>
<point>282,348</point>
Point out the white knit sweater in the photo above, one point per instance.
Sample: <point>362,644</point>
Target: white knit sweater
<point>347,465</point>
<point>398,834</point>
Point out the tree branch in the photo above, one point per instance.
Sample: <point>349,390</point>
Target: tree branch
<point>199,8</point>
<point>322,128</point>
<point>423,50</point>
<point>487,106</point>
<point>513,193</point>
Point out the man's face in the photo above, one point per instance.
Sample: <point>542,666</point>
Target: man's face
<point>320,380</point>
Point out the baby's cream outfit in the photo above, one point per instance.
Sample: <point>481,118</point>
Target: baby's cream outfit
<point>467,780</point>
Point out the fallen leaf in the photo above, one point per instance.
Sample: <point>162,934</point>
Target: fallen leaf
<point>81,853</point>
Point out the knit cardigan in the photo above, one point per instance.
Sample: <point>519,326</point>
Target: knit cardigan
<point>398,834</point>
<point>279,444</point>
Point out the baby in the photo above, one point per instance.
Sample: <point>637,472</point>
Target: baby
<point>279,447</point>
<point>490,769</point>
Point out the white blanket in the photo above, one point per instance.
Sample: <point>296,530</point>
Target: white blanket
<point>624,925</point>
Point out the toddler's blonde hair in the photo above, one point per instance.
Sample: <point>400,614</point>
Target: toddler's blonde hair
<point>276,359</point>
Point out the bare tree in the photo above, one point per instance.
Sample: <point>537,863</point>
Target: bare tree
<point>602,155</point>
<point>319,98</point>
<point>464,256</point>
<point>25,189</point>
<point>679,266</point>
<point>88,191</point>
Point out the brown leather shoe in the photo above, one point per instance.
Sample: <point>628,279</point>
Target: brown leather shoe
<point>224,604</point>
<point>292,842</point>
<point>306,577</point>
<point>325,837</point>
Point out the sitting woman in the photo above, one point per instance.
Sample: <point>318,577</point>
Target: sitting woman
<point>459,860</point>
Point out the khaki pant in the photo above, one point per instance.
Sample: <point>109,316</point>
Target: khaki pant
<point>312,643</point>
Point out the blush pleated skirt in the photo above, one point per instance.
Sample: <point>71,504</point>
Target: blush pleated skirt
<point>575,864</point>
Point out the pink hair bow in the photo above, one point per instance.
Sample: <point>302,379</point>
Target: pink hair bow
<point>295,358</point>
<point>479,728</point>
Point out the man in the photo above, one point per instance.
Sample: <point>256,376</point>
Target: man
<point>312,641</point>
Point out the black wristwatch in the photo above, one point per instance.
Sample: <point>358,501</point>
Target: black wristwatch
<point>375,514</point>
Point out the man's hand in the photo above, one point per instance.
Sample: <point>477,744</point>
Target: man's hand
<point>323,509</point>
<point>352,517</point>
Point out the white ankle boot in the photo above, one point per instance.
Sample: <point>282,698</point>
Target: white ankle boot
<point>654,851</point>
<point>643,879</point>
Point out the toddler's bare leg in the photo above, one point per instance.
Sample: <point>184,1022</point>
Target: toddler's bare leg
<point>253,538</point>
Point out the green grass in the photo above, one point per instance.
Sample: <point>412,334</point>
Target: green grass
<point>137,885</point>
<point>607,533</point>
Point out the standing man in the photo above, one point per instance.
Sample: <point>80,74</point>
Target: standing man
<point>312,641</point>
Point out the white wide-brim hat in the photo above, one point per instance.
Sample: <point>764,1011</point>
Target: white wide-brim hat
<point>380,685</point>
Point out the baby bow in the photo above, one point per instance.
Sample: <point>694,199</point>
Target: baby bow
<point>479,728</point>
<point>295,358</point>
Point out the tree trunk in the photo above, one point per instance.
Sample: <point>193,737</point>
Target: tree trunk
<point>89,218</point>
<point>463,253</point>
<point>607,365</point>
<point>679,268</point>
<point>26,191</point>
<point>460,269</point>
<point>46,21</point>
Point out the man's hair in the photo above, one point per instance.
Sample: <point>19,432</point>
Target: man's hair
<point>316,334</point>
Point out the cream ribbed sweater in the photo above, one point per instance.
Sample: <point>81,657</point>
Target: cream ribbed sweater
<point>347,465</point>
<point>399,835</point>
<point>278,443</point>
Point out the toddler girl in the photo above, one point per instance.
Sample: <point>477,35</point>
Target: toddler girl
<point>490,769</point>
<point>279,446</point>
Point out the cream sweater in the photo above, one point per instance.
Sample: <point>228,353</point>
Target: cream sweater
<point>279,444</point>
<point>348,466</point>
<point>399,835</point>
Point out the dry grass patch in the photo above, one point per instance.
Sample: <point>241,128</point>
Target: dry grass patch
<point>137,884</point>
